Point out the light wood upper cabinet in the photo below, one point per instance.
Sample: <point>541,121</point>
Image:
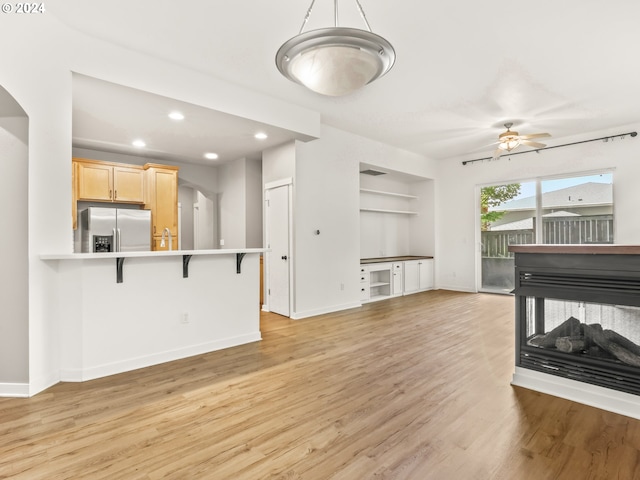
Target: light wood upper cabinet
<point>162,200</point>
<point>98,181</point>
<point>128,184</point>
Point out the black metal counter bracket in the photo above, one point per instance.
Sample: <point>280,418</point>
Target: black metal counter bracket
<point>185,265</point>
<point>119,264</point>
<point>239,257</point>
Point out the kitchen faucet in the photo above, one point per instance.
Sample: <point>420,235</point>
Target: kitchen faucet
<point>168,232</point>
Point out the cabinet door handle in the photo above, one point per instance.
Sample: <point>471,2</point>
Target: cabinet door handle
<point>115,194</point>
<point>110,193</point>
<point>284,257</point>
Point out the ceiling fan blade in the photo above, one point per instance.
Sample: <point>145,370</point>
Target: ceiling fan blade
<point>497,153</point>
<point>534,135</point>
<point>529,143</point>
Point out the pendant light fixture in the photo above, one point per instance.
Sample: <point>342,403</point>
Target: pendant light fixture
<point>336,60</point>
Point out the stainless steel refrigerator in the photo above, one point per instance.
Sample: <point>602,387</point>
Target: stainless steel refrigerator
<point>106,229</point>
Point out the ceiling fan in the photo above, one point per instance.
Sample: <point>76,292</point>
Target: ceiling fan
<point>510,139</point>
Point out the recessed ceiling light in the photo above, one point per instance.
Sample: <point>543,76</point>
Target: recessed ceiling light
<point>139,143</point>
<point>261,136</point>
<point>176,116</point>
<point>211,156</point>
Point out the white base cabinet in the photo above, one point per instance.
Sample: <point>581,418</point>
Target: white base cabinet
<point>418,276</point>
<point>364,283</point>
<point>397,279</point>
<point>379,281</point>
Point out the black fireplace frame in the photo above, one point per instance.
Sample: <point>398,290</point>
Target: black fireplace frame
<point>594,274</point>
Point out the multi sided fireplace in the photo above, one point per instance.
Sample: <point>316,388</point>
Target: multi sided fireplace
<point>578,313</point>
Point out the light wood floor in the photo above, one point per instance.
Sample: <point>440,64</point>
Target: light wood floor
<point>409,388</point>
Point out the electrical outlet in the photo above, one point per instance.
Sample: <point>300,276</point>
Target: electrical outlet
<point>184,318</point>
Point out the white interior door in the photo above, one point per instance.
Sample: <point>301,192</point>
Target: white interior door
<point>278,259</point>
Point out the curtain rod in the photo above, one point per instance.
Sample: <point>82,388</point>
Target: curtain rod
<point>621,135</point>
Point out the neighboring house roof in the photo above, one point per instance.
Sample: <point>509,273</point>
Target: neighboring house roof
<point>527,223</point>
<point>586,194</point>
<point>561,213</point>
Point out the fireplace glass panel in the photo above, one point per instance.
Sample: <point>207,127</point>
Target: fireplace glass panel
<point>608,332</point>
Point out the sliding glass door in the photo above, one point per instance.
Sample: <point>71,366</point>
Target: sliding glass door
<point>568,210</point>
<point>507,218</point>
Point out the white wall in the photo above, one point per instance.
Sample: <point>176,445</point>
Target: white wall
<point>279,163</point>
<point>458,211</point>
<point>254,203</point>
<point>113,327</point>
<point>326,198</point>
<point>422,240</point>
<point>14,291</point>
<point>232,204</point>
<point>206,218</point>
<point>186,199</point>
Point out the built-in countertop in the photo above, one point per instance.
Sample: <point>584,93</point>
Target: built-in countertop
<point>406,258</point>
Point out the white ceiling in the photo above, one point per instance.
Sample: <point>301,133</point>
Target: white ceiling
<point>463,69</point>
<point>109,117</point>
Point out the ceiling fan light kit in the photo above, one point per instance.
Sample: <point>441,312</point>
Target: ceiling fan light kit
<point>335,61</point>
<point>510,139</point>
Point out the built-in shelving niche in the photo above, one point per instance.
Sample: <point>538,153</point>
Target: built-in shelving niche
<point>396,214</point>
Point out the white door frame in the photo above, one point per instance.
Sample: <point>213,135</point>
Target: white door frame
<point>267,260</point>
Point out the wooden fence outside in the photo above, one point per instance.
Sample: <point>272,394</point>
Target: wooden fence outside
<point>555,230</point>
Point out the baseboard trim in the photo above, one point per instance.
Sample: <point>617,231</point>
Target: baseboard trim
<point>587,394</point>
<point>91,373</point>
<point>456,288</point>
<point>323,311</point>
<point>17,390</point>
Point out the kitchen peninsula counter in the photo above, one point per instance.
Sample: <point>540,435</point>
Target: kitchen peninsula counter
<point>170,305</point>
<point>163,253</point>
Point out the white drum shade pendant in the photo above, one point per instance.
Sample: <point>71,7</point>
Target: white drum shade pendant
<point>335,61</point>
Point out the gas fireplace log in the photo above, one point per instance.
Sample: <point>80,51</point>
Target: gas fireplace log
<point>588,331</point>
<point>622,341</point>
<point>570,344</point>
<point>595,351</point>
<point>618,351</point>
<point>568,328</point>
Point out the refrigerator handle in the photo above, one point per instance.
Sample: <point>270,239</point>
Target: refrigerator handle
<point>114,245</point>
<point>119,239</point>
